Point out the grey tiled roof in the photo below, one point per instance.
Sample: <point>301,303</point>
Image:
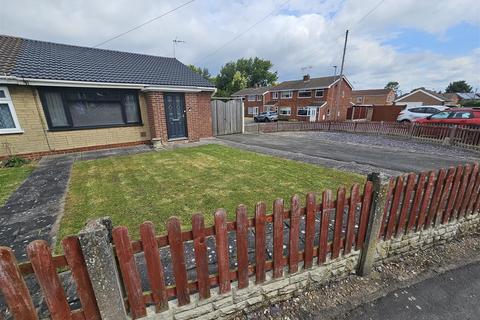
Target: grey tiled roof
<point>322,82</point>
<point>252,91</point>
<point>46,60</point>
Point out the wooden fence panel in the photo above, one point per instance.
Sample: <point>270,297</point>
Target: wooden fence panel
<point>453,194</point>
<point>390,188</point>
<point>223,262</point>
<point>470,191</point>
<point>447,188</point>
<point>337,232</point>
<point>227,116</point>
<point>364,214</point>
<point>154,266</point>
<point>472,203</point>
<point>178,260</point>
<point>294,233</point>
<point>407,196</point>
<point>422,216</point>
<point>436,197</point>
<point>76,262</point>
<point>461,191</point>
<point>352,208</point>
<point>415,210</point>
<point>327,206</point>
<point>392,219</point>
<point>13,287</point>
<point>309,229</point>
<point>201,261</point>
<point>129,271</point>
<point>242,246</point>
<point>260,242</point>
<point>40,257</point>
<point>278,238</point>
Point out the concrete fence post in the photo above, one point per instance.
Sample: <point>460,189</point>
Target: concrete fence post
<point>102,268</point>
<point>452,132</point>
<point>379,197</point>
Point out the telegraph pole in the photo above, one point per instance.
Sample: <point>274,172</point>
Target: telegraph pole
<point>337,103</point>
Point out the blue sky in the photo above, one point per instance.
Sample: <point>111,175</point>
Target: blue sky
<point>417,43</point>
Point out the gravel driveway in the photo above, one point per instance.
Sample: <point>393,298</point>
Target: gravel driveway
<point>354,152</point>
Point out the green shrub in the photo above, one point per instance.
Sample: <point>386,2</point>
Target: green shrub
<point>15,162</point>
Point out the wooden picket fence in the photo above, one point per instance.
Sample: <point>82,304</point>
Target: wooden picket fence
<point>464,137</point>
<point>413,202</point>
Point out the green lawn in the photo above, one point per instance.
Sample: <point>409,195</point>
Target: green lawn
<point>10,179</point>
<point>155,186</point>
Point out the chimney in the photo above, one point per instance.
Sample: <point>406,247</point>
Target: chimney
<point>306,77</point>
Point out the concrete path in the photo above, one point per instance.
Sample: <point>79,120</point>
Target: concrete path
<point>34,210</point>
<point>353,152</point>
<point>449,296</point>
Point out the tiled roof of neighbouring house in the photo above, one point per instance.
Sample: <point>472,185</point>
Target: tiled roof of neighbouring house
<point>32,59</point>
<point>312,83</point>
<point>252,91</point>
<point>371,92</point>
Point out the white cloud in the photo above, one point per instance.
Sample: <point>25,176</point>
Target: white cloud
<point>302,33</point>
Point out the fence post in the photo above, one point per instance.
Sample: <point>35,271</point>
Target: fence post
<point>452,132</point>
<point>379,197</point>
<point>102,268</point>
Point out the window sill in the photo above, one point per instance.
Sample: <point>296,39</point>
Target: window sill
<point>11,131</point>
<point>97,127</point>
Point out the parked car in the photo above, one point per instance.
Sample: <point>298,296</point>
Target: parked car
<point>455,116</point>
<point>410,114</point>
<point>266,116</point>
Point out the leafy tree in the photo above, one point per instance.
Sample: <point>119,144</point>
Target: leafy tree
<point>201,71</point>
<point>243,73</point>
<point>394,85</point>
<point>458,86</point>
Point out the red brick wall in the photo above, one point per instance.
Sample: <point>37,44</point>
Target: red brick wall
<point>199,116</point>
<point>255,103</point>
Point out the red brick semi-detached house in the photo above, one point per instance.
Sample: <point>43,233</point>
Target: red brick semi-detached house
<point>57,98</point>
<point>253,99</point>
<point>310,99</point>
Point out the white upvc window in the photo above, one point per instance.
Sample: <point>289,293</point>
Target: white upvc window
<point>253,110</point>
<point>259,98</point>
<point>251,97</point>
<point>359,99</point>
<point>286,95</point>
<point>274,95</point>
<point>304,93</point>
<point>285,111</point>
<point>305,111</point>
<point>8,117</point>
<point>319,93</point>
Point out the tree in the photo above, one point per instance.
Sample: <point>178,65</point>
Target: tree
<point>458,86</point>
<point>243,73</point>
<point>394,85</point>
<point>201,71</point>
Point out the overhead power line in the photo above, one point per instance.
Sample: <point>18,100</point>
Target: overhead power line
<point>142,24</point>
<point>243,32</point>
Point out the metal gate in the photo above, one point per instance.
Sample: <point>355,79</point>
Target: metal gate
<point>227,116</point>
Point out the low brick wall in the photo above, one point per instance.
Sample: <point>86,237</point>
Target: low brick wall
<point>291,285</point>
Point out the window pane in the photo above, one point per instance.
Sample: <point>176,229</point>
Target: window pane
<point>55,109</point>
<point>85,114</point>
<point>131,109</point>
<point>441,115</point>
<point>2,94</point>
<point>6,119</point>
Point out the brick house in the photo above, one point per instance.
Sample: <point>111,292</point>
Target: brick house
<point>253,99</point>
<point>310,99</point>
<point>421,97</point>
<point>57,98</point>
<point>371,97</point>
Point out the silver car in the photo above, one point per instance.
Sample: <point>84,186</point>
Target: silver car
<point>266,116</point>
<point>418,112</point>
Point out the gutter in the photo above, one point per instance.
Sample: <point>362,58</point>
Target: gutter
<point>87,84</point>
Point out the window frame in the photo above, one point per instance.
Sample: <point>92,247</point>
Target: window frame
<point>68,115</point>
<point>253,114</point>
<point>275,95</point>
<point>8,101</point>
<point>285,108</point>
<point>251,95</point>
<point>289,91</point>
<point>359,99</point>
<point>259,97</point>
<point>319,90</point>
<point>304,91</point>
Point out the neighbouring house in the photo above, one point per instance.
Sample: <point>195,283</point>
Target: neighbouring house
<point>458,98</point>
<point>371,97</point>
<point>57,98</point>
<point>253,99</point>
<point>421,97</point>
<point>310,99</point>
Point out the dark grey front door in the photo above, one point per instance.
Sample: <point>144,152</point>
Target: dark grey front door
<point>175,115</point>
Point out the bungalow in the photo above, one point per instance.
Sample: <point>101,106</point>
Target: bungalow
<point>253,99</point>
<point>57,98</point>
<point>372,97</point>
<point>310,99</point>
<point>421,97</point>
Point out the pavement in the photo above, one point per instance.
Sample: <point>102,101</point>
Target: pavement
<point>353,152</point>
<point>448,296</point>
